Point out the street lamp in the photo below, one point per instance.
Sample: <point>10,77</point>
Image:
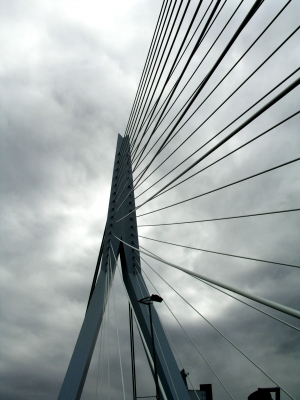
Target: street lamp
<point>148,301</point>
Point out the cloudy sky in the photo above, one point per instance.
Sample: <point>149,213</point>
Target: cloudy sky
<point>70,71</point>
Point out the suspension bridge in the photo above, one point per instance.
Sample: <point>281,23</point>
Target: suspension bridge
<point>203,198</point>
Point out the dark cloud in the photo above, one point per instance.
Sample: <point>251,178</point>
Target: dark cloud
<point>69,73</point>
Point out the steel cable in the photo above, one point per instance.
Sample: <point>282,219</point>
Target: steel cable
<point>181,75</point>
<point>145,73</point>
<point>269,303</point>
<point>227,155</point>
<point>287,90</point>
<point>181,21</point>
<point>127,179</point>
<point>155,68</point>
<point>229,341</point>
<point>221,219</point>
<point>138,130</point>
<point>230,295</point>
<point>136,99</point>
<point>197,68</point>
<point>117,328</point>
<point>150,114</point>
<point>154,55</point>
<point>231,69</point>
<point>143,295</point>
<point>166,113</point>
<point>196,347</point>
<point>220,253</point>
<point>224,102</point>
<point>221,187</point>
<point>267,27</point>
<point>223,129</point>
<point>205,80</point>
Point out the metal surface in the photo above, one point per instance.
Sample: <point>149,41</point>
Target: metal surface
<point>169,379</point>
<point>154,353</point>
<point>148,301</point>
<point>259,299</point>
<point>132,354</point>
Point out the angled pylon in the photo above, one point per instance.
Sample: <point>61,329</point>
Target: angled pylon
<point>171,384</point>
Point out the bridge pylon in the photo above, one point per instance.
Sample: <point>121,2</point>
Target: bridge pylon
<point>170,382</point>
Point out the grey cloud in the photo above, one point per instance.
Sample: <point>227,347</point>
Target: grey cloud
<point>67,89</point>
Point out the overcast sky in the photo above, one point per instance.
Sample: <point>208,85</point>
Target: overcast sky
<point>70,71</point>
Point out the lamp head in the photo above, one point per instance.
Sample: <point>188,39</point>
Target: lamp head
<point>153,297</point>
<point>156,297</point>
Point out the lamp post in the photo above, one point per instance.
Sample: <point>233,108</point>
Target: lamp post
<point>148,301</point>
